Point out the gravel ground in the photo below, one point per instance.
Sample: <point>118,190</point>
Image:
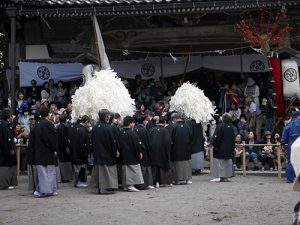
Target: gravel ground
<point>252,200</point>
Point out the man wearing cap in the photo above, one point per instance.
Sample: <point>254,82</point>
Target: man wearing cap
<point>290,133</point>
<point>44,148</point>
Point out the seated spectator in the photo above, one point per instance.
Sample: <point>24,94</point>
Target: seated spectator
<point>45,93</point>
<point>238,151</point>
<point>233,95</point>
<point>61,95</point>
<point>53,109</point>
<point>267,156</point>
<point>36,107</point>
<point>267,111</point>
<point>34,92</point>
<point>45,103</point>
<point>21,103</point>
<point>24,117</point>
<point>251,151</point>
<point>243,126</point>
<point>235,113</point>
<point>53,91</point>
<point>140,111</point>
<point>168,96</point>
<point>252,90</point>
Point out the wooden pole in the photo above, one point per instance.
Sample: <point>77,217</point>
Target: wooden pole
<point>244,160</point>
<point>96,41</point>
<point>185,68</point>
<point>211,158</point>
<point>12,15</point>
<point>279,162</point>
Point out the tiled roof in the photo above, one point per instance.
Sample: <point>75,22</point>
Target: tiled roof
<point>231,3</point>
<point>74,8</point>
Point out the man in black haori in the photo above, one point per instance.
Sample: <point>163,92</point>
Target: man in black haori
<point>8,172</point>
<point>223,142</point>
<point>181,135</point>
<point>160,157</point>
<point>44,147</point>
<point>131,154</point>
<point>64,153</point>
<point>105,154</point>
<point>80,148</point>
<point>143,134</point>
<point>197,147</point>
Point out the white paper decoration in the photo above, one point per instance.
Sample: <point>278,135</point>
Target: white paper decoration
<point>191,101</point>
<point>103,91</point>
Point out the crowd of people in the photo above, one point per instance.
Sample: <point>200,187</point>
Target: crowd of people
<point>155,147</point>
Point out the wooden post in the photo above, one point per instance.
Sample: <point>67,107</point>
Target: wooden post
<point>244,160</point>
<point>18,152</point>
<point>211,160</point>
<point>12,14</point>
<point>279,162</point>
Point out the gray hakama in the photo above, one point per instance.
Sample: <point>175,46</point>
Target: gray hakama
<point>66,171</point>
<point>8,177</point>
<point>32,177</point>
<point>162,176</point>
<point>132,175</point>
<point>105,177</point>
<point>198,161</point>
<point>222,168</point>
<point>58,176</point>
<point>80,173</point>
<point>182,170</point>
<point>47,180</point>
<point>147,176</point>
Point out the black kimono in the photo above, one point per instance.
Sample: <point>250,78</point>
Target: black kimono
<point>181,142</point>
<point>64,154</point>
<point>144,137</point>
<point>103,144</point>
<point>181,152</point>
<point>104,150</point>
<point>161,147</point>
<point>63,143</point>
<point>44,143</point>
<point>8,176</point>
<point>80,145</point>
<point>160,157</point>
<point>131,147</point>
<point>223,141</point>
<point>197,143</point>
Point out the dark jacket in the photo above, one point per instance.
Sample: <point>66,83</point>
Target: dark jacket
<point>161,147</point>
<point>103,144</point>
<point>144,137</point>
<point>44,143</point>
<point>181,142</point>
<point>63,143</point>
<point>223,141</point>
<point>197,138</point>
<point>6,144</point>
<point>80,144</point>
<point>131,147</point>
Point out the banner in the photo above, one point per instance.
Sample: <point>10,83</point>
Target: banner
<point>148,68</point>
<point>42,72</point>
<point>276,73</point>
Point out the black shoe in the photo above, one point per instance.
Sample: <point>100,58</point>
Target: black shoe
<point>223,179</point>
<point>290,181</point>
